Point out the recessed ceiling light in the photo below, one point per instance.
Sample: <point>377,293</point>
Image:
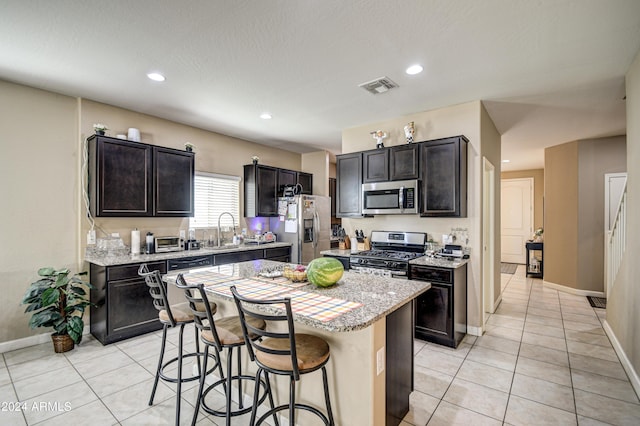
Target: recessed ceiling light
<point>506,161</point>
<point>156,76</point>
<point>414,69</point>
<point>265,116</point>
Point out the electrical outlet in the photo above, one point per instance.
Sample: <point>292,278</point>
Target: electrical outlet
<point>380,361</point>
<point>91,236</point>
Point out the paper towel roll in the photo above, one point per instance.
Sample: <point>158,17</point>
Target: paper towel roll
<point>135,241</point>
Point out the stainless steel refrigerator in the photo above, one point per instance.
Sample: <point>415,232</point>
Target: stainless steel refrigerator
<point>305,222</point>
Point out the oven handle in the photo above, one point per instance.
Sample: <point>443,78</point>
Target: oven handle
<point>401,198</point>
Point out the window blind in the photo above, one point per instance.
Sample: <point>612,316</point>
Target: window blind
<point>215,194</point>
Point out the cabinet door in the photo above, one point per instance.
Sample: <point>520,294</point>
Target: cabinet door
<point>286,178</point>
<point>173,172</point>
<point>119,178</point>
<point>349,185</point>
<point>444,177</point>
<point>403,162</point>
<point>375,165</point>
<point>130,309</point>
<point>260,190</point>
<point>306,180</point>
<point>332,195</point>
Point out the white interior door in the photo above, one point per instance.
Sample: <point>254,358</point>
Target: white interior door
<point>613,187</point>
<point>516,222</point>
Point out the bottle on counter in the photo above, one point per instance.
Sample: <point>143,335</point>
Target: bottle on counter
<point>150,244</point>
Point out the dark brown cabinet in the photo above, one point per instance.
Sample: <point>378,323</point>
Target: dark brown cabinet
<point>404,162</point>
<point>128,179</point>
<point>444,177</point>
<point>375,165</point>
<point>120,177</point>
<point>286,178</point>
<point>123,306</point>
<point>332,195</point>
<point>349,185</point>
<point>260,190</point>
<point>306,181</point>
<point>173,190</point>
<point>441,311</point>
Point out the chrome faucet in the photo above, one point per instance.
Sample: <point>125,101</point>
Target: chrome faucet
<point>232,221</point>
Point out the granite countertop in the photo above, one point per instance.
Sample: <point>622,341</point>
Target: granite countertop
<point>422,261</point>
<point>107,260</point>
<point>379,295</point>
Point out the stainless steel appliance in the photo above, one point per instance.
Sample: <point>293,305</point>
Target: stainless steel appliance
<point>305,222</point>
<point>395,197</point>
<point>167,244</point>
<point>390,251</point>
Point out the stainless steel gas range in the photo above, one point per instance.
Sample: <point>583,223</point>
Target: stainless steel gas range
<point>391,252</point>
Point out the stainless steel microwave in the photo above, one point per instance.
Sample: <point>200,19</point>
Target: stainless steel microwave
<point>167,244</point>
<point>395,197</point>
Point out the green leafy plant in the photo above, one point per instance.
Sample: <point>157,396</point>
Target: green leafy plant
<point>59,301</point>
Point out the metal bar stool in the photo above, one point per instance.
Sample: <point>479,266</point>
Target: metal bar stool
<point>173,316</point>
<point>285,353</point>
<point>221,333</point>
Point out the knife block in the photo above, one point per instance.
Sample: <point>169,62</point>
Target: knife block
<point>364,245</point>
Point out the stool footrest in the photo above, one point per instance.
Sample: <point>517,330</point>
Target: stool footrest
<point>305,407</point>
<point>238,412</point>
<point>169,379</point>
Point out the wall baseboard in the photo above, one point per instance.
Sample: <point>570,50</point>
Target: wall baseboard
<point>626,364</point>
<point>572,290</point>
<point>37,339</point>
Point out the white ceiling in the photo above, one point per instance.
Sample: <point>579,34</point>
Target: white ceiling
<point>548,71</point>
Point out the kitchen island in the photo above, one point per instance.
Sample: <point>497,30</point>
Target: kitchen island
<point>371,365</point>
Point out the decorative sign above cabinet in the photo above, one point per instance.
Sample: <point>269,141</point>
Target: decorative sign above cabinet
<point>128,179</point>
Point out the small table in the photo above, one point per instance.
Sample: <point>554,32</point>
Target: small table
<point>534,268</point>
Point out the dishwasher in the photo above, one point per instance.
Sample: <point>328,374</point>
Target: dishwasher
<point>174,294</point>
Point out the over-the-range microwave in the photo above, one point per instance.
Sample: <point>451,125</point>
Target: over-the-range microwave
<point>395,197</point>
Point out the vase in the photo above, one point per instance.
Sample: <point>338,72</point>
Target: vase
<point>189,149</point>
<point>255,162</point>
<point>62,343</point>
<point>100,132</point>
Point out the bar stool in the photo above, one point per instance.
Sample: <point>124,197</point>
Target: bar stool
<point>223,333</point>
<point>284,353</point>
<point>170,316</point>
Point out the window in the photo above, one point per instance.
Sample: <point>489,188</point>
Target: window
<point>215,194</point>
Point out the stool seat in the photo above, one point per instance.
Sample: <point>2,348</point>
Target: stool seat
<point>230,331</point>
<point>311,352</point>
<point>182,312</point>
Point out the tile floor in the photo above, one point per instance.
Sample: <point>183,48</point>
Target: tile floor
<point>544,360</point>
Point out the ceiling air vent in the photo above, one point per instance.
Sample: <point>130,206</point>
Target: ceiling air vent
<point>379,85</point>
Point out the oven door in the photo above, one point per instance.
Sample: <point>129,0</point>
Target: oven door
<point>398,197</point>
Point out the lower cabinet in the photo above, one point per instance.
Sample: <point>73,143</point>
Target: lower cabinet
<point>441,311</point>
<point>124,308</point>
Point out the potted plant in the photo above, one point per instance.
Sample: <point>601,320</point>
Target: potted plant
<point>189,147</point>
<point>100,128</point>
<point>58,300</point>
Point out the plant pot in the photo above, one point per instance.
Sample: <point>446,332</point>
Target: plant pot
<point>100,132</point>
<point>62,343</point>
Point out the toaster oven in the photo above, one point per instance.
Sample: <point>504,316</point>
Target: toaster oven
<point>167,244</point>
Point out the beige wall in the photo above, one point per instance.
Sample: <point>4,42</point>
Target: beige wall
<point>574,210</point>
<point>463,119</point>
<point>42,134</point>
<point>623,315</point>
<point>561,214</point>
<point>538,191</point>
<point>596,157</point>
<point>317,163</point>
<point>39,193</point>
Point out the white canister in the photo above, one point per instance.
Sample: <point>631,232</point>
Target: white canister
<point>133,134</point>
<point>354,245</point>
<point>135,241</point>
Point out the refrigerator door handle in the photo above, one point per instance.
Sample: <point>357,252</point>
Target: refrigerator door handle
<point>316,229</point>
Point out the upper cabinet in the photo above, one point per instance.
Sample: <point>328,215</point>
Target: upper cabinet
<point>399,162</point>
<point>404,162</point>
<point>375,165</point>
<point>444,177</point>
<point>128,179</point>
<point>332,195</point>
<point>306,181</point>
<point>260,190</point>
<point>349,185</point>
<point>173,189</point>
<point>286,178</point>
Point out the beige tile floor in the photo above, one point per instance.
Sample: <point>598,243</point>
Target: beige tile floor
<point>544,360</point>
